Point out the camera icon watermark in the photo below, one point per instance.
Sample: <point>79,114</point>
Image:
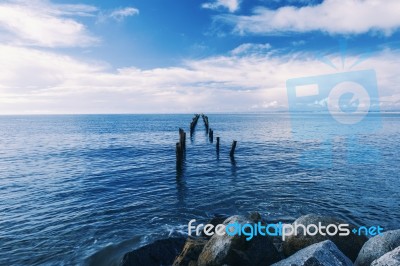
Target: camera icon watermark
<point>342,105</point>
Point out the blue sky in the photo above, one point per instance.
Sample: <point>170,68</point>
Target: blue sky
<point>168,56</point>
<point>164,33</point>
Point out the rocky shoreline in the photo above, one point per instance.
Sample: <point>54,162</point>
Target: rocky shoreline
<point>299,250</point>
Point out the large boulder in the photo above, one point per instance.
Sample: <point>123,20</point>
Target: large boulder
<point>321,254</point>
<point>391,258</point>
<point>377,247</point>
<point>236,250</point>
<point>350,245</point>
<point>216,220</point>
<point>161,252</point>
<point>190,252</point>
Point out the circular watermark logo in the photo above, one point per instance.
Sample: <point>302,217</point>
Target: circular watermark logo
<point>348,102</point>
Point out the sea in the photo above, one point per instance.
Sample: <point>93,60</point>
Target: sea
<point>85,189</point>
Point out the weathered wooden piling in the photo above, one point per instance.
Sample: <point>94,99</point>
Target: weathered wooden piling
<point>232,153</point>
<point>182,138</point>
<point>179,153</point>
<point>194,123</point>
<point>205,120</point>
<point>211,135</point>
<point>217,145</point>
<point>180,146</point>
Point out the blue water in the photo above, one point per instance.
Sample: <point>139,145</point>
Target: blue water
<point>86,189</point>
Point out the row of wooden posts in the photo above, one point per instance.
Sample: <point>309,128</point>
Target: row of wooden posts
<point>181,145</point>
<point>193,124</point>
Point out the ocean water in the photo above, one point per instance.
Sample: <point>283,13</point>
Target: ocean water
<point>85,189</point>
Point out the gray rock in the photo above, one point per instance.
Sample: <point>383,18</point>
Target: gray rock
<point>161,252</point>
<point>236,250</point>
<point>377,247</point>
<point>391,258</point>
<point>190,252</point>
<point>218,219</point>
<point>350,245</point>
<point>321,254</point>
<point>192,263</point>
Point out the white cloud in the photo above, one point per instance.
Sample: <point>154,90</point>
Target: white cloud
<point>30,70</point>
<point>231,5</point>
<point>35,81</point>
<point>251,48</point>
<point>331,16</point>
<point>41,23</point>
<point>122,13</point>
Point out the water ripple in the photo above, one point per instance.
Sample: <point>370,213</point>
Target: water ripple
<point>85,189</point>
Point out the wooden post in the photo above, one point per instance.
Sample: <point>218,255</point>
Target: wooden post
<point>211,135</point>
<point>194,123</point>
<point>205,120</point>
<point>182,138</point>
<point>217,145</point>
<point>232,153</point>
<point>180,147</point>
<point>178,153</point>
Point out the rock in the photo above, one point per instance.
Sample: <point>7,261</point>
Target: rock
<point>218,219</point>
<point>350,245</point>
<point>255,216</point>
<point>391,258</point>
<point>321,254</point>
<point>377,247</point>
<point>192,263</point>
<point>190,252</point>
<point>278,244</point>
<point>236,250</point>
<point>161,252</point>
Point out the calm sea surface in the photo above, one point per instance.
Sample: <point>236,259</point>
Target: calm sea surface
<point>85,189</point>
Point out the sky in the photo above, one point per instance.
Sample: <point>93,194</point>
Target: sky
<point>186,56</point>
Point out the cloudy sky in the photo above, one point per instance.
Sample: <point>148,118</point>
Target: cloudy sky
<point>184,56</point>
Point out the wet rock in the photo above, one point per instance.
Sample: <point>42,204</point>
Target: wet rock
<point>321,254</point>
<point>391,258</point>
<point>255,216</point>
<point>161,252</point>
<point>190,252</point>
<point>377,247</point>
<point>350,245</point>
<point>236,250</point>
